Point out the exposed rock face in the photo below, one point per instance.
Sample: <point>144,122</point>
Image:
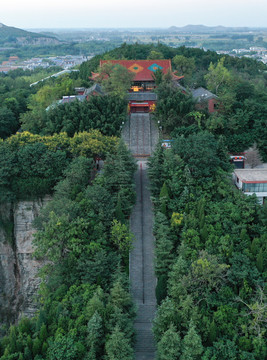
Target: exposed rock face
<point>18,269</point>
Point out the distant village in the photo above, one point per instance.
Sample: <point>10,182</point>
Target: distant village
<point>254,52</point>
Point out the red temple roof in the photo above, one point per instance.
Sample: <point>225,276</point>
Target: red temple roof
<point>143,69</point>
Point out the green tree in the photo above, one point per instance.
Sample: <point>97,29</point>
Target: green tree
<point>259,261</point>
<point>118,346</point>
<point>96,304</point>
<point>158,77</point>
<point>212,332</point>
<point>165,316</point>
<point>155,55</point>
<point>217,76</point>
<point>191,345</point>
<point>118,81</point>
<point>62,348</point>
<point>8,122</point>
<point>164,199</point>
<point>184,65</point>
<point>164,245</point>
<point>169,347</point>
<point>173,106</point>
<point>121,237</point>
<point>155,168</point>
<point>95,337</point>
<point>120,297</point>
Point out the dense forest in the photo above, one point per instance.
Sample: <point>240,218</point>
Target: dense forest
<point>83,234</point>
<point>210,255</point>
<point>210,239</point>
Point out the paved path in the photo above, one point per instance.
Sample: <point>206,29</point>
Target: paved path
<point>142,276</point>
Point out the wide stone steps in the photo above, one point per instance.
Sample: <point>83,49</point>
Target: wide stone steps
<point>145,313</point>
<point>140,133</point>
<point>144,339</point>
<point>142,276</point>
<point>144,356</point>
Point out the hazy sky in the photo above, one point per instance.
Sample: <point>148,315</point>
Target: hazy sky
<point>132,13</point>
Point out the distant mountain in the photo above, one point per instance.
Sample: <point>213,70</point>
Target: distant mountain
<point>207,29</point>
<point>11,35</point>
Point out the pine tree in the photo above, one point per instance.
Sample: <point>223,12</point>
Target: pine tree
<point>244,238</point>
<point>164,199</point>
<point>164,254</point>
<point>165,316</point>
<point>155,170</point>
<point>118,346</point>
<point>120,297</point>
<point>36,346</point>
<point>180,268</point>
<point>43,333</point>
<point>169,347</point>
<point>212,332</point>
<point>95,337</point>
<point>254,246</point>
<point>161,288</point>
<point>222,155</point>
<point>96,303</point>
<point>259,261</point>
<point>123,321</point>
<point>201,212</point>
<point>204,233</point>
<point>191,346</point>
<point>118,211</point>
<point>128,162</point>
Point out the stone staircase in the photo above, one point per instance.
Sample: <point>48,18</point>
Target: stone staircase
<point>145,345</point>
<point>142,276</point>
<point>140,134</point>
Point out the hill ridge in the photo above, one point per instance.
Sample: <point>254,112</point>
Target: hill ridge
<point>13,35</point>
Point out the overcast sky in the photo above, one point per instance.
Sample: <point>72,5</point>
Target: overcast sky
<point>132,13</point>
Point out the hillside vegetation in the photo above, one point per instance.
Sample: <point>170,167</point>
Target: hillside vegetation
<point>210,255</point>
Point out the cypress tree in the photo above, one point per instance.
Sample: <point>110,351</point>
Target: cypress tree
<point>95,336</point>
<point>164,254</point>
<point>161,288</point>
<point>191,347</point>
<point>259,261</point>
<point>155,170</point>
<point>118,346</point>
<point>254,246</point>
<point>36,346</point>
<point>165,316</point>
<point>118,211</point>
<point>169,347</point>
<point>164,198</point>
<point>204,233</point>
<point>212,333</point>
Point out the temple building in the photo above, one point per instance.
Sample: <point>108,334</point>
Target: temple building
<point>141,96</point>
<point>144,71</point>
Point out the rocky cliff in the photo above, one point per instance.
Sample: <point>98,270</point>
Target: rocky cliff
<point>18,269</point>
